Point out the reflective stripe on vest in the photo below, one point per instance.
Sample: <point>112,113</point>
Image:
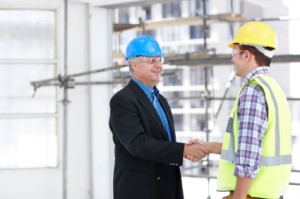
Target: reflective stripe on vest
<point>275,160</point>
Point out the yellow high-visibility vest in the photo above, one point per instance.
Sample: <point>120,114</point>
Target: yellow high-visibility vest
<point>275,166</point>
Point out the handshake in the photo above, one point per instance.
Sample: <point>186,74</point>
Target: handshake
<point>196,149</point>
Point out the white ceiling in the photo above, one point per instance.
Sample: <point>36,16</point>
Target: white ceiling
<point>124,3</point>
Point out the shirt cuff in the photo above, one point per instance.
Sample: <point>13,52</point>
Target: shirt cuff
<point>245,171</point>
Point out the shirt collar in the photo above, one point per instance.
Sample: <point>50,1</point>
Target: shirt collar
<point>259,70</point>
<point>150,92</point>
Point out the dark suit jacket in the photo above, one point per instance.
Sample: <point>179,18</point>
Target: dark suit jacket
<point>146,163</point>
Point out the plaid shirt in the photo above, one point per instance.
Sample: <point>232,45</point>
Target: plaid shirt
<point>253,122</point>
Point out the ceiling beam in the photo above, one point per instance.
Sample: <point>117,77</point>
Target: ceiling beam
<point>178,21</point>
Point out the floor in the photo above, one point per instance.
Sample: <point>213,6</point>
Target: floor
<point>196,188</point>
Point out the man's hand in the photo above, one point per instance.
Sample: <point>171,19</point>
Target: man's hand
<point>194,151</point>
<point>208,147</point>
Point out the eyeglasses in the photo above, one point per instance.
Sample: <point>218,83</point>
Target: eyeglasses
<point>236,51</point>
<point>150,60</point>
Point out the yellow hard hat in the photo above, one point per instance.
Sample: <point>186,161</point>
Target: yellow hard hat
<point>255,33</point>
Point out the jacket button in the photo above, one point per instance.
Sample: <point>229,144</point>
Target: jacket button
<point>158,178</point>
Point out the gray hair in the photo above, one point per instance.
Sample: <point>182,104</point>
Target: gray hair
<point>129,60</point>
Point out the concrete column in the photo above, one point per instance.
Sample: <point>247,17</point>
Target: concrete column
<point>101,139</point>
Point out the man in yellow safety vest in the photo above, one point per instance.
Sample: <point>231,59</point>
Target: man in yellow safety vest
<point>256,151</point>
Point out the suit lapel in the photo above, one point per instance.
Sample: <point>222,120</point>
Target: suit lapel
<point>144,100</point>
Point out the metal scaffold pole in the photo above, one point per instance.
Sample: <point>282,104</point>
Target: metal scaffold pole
<point>65,102</point>
<point>208,93</point>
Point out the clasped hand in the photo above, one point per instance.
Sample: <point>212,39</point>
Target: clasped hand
<point>195,150</point>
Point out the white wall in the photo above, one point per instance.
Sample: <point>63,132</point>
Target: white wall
<point>89,158</point>
<point>78,121</point>
<point>101,57</point>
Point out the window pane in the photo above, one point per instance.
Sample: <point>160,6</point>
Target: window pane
<point>28,143</point>
<point>197,122</point>
<point>196,7</point>
<point>123,15</point>
<point>172,80</point>
<point>171,9</point>
<point>27,34</point>
<point>16,95</point>
<point>174,99</point>
<point>197,76</point>
<point>178,122</point>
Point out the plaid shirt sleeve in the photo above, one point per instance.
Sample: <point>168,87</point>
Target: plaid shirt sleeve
<point>253,121</point>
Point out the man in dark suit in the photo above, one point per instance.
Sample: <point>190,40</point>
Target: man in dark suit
<point>147,156</point>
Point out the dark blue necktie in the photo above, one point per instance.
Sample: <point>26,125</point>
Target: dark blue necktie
<point>161,114</point>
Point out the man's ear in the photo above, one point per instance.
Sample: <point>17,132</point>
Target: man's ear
<point>133,64</point>
<point>248,55</point>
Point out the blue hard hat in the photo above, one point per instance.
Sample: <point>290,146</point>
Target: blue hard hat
<point>144,45</point>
